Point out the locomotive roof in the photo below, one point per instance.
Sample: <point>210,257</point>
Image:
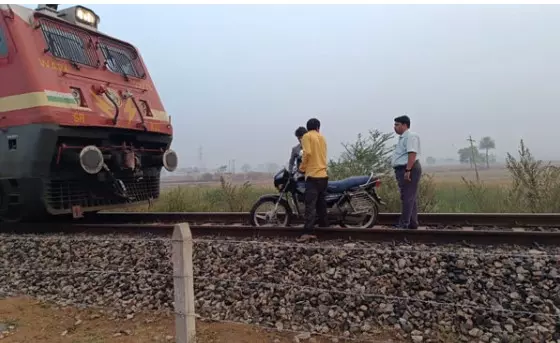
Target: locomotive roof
<point>27,14</point>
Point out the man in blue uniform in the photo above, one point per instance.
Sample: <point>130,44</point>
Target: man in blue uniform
<point>408,171</point>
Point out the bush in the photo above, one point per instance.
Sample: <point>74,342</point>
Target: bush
<point>427,194</point>
<point>484,198</point>
<point>227,197</point>
<point>535,186</point>
<point>372,154</point>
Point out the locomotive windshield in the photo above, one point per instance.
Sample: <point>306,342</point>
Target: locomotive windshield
<point>65,44</point>
<point>78,46</point>
<point>120,60</point>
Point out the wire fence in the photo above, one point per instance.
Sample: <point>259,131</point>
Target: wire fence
<point>263,294</point>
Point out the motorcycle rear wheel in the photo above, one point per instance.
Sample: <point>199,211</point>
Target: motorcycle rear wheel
<point>369,221</point>
<point>270,218</point>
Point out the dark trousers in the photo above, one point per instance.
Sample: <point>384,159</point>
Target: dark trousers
<point>409,192</point>
<point>315,202</point>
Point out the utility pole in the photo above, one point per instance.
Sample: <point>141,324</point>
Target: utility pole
<point>474,158</point>
<point>200,159</point>
<point>231,166</point>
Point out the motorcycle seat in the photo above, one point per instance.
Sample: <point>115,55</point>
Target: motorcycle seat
<point>346,184</point>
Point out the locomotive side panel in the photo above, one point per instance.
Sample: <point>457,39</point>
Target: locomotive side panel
<point>25,147</point>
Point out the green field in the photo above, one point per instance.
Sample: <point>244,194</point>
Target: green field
<point>446,197</point>
<point>443,189</point>
<point>523,184</point>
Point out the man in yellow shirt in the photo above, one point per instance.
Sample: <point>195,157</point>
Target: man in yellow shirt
<point>314,166</point>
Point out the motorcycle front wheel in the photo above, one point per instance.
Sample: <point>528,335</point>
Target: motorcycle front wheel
<point>270,215</point>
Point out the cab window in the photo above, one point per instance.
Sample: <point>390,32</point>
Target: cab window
<point>68,45</point>
<point>3,43</point>
<point>121,60</point>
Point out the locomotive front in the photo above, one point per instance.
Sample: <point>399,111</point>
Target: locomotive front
<point>83,126</point>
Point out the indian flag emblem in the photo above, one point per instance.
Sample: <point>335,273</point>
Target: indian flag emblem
<point>61,98</point>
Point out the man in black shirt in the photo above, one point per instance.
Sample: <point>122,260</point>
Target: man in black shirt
<point>294,155</point>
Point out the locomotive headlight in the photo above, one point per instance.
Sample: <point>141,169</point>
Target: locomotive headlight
<point>170,160</point>
<point>79,15</point>
<point>86,16</point>
<point>91,159</point>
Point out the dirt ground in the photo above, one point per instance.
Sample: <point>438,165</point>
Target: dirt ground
<point>27,320</point>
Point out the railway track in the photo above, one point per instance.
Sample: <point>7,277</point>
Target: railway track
<point>482,237</point>
<point>214,224</point>
<point>510,220</point>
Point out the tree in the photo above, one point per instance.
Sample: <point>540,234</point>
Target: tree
<point>487,143</point>
<point>246,168</point>
<point>363,156</point>
<point>373,153</point>
<point>466,153</point>
<point>222,169</point>
<point>430,160</point>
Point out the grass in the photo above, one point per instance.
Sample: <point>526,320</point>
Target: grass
<point>223,198</point>
<point>522,185</point>
<point>436,196</point>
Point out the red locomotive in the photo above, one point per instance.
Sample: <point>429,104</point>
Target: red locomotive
<point>82,127</point>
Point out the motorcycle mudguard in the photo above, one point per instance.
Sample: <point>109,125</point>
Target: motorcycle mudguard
<point>272,197</point>
<point>370,188</point>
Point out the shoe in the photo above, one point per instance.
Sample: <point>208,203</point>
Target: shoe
<point>399,227</point>
<point>306,237</point>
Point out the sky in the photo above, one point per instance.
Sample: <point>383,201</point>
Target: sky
<point>239,79</point>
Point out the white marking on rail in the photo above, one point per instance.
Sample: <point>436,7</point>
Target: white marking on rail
<point>468,228</point>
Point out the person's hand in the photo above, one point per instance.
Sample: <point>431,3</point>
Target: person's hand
<point>407,175</point>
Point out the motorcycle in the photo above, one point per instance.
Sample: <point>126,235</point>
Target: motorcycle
<point>352,202</point>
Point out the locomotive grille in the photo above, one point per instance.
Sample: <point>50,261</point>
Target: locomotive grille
<point>361,202</point>
<point>69,43</point>
<point>63,194</point>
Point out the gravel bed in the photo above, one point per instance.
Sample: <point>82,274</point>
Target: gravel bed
<point>428,293</point>
<point>429,227</point>
<point>494,228</point>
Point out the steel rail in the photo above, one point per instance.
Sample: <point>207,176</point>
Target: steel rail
<point>426,219</point>
<point>323,234</point>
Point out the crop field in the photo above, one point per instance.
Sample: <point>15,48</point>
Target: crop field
<point>496,175</point>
